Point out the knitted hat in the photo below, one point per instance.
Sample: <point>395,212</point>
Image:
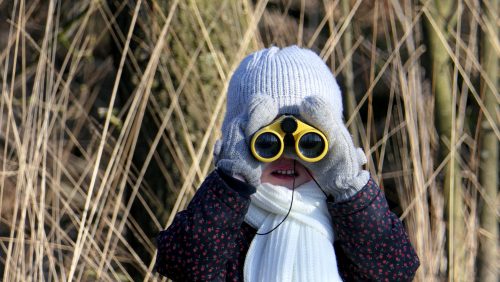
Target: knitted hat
<point>287,75</point>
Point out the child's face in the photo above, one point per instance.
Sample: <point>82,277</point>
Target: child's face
<point>281,172</point>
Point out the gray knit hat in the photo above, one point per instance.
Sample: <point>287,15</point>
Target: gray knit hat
<point>272,82</point>
<point>287,75</point>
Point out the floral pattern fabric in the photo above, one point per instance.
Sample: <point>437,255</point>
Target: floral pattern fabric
<point>209,240</point>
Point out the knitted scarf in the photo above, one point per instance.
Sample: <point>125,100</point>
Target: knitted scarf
<point>301,248</point>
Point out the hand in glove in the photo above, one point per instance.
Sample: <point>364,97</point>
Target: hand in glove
<point>232,153</point>
<point>340,172</point>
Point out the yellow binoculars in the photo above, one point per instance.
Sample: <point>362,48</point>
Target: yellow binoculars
<point>269,142</point>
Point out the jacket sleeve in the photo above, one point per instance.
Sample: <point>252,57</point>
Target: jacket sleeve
<point>371,242</point>
<point>201,239</point>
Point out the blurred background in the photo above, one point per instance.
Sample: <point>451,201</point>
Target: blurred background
<point>110,108</point>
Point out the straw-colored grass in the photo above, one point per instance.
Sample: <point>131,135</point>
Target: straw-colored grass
<point>109,111</point>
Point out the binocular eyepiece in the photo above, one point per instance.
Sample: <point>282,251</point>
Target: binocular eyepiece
<point>268,143</point>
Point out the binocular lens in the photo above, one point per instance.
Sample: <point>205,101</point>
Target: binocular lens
<point>267,145</point>
<point>311,145</point>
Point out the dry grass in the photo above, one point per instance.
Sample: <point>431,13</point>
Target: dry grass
<point>109,112</point>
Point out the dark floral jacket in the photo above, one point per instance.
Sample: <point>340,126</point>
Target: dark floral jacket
<point>209,240</point>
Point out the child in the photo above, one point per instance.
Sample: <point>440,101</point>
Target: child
<point>289,218</point>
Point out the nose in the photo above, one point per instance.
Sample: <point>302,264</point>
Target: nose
<point>289,153</point>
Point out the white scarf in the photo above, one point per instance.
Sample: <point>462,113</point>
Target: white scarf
<point>301,248</point>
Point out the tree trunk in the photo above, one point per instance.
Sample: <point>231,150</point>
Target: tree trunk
<point>488,252</point>
<point>445,105</point>
<point>348,73</point>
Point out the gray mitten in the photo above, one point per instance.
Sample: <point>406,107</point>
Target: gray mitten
<point>232,153</point>
<point>340,172</point>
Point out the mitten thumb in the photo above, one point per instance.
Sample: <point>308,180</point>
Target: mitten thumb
<point>217,150</point>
